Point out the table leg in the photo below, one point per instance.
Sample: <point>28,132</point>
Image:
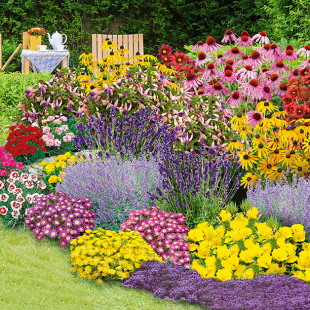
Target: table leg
<point>64,62</point>
<point>26,65</point>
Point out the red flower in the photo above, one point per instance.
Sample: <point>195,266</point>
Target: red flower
<point>294,82</point>
<point>306,80</point>
<point>164,51</point>
<point>299,111</point>
<point>179,59</point>
<point>304,72</point>
<point>303,93</point>
<point>290,108</point>
<point>292,92</point>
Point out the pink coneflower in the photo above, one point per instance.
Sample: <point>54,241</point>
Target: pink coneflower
<point>200,46</point>
<point>264,75</point>
<point>233,53</point>
<point>305,51</point>
<point>231,63</point>
<point>267,91</point>
<point>275,80</point>
<point>229,76</point>
<point>211,72</point>
<point>254,118</point>
<point>257,59</point>
<point>235,99</point>
<point>212,46</point>
<point>220,60</point>
<point>202,59</point>
<point>262,37</point>
<point>304,64</point>
<point>192,79</point>
<point>245,40</point>
<point>252,89</point>
<point>278,67</point>
<point>265,51</point>
<point>246,73</point>
<point>295,73</point>
<point>281,90</point>
<point>276,53</point>
<point>216,89</point>
<point>229,35</point>
<point>165,50</point>
<point>244,61</point>
<point>289,54</point>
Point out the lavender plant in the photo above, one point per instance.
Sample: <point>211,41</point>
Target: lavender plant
<point>194,187</point>
<point>115,187</point>
<point>289,203</point>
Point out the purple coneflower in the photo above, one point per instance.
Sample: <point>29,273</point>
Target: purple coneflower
<point>229,76</point>
<point>253,89</point>
<point>295,72</point>
<point>235,99</point>
<point>275,80</point>
<point>244,61</point>
<point>233,53</point>
<point>246,73</point>
<point>267,91</point>
<point>261,37</point>
<point>212,46</point>
<point>202,59</point>
<point>302,66</point>
<point>278,67</point>
<point>200,46</point>
<point>289,54</point>
<point>276,53</point>
<point>245,40</point>
<point>257,59</point>
<point>220,60</point>
<point>229,35</point>
<point>265,50</point>
<point>211,72</point>
<point>281,90</point>
<point>254,118</point>
<point>192,79</point>
<point>305,51</point>
<point>216,89</point>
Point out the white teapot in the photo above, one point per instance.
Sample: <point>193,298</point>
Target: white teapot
<point>56,39</point>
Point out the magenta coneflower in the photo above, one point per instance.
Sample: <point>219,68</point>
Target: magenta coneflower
<point>278,67</point>
<point>245,40</point>
<point>229,76</point>
<point>252,89</point>
<point>211,45</point>
<point>265,51</point>
<point>276,53</point>
<point>216,89</point>
<point>295,73</point>
<point>289,54</point>
<point>261,38</point>
<point>246,73</point>
<point>192,79</point>
<point>264,75</point>
<point>202,59</point>
<point>165,50</point>
<point>305,51</point>
<point>229,35</point>
<point>235,99</point>
<point>200,46</point>
<point>211,72</point>
<point>244,61</point>
<point>281,90</point>
<point>257,59</point>
<point>233,53</point>
<point>220,60</point>
<point>274,80</point>
<point>304,64</point>
<point>267,93</point>
<point>254,118</point>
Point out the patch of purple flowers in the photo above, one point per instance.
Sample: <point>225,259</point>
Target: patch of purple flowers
<point>174,282</point>
<point>60,216</point>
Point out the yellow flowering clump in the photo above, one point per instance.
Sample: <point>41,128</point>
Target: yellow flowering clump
<point>54,170</point>
<point>242,248</point>
<point>105,254</point>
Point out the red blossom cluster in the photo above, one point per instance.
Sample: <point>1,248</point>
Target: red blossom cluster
<point>37,31</point>
<point>297,99</point>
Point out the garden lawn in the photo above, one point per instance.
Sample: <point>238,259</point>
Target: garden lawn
<point>36,275</point>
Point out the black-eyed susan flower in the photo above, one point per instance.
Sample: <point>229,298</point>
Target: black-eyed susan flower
<point>245,130</point>
<point>89,87</point>
<point>276,155</point>
<point>279,122</point>
<point>249,179</point>
<point>265,106</point>
<point>277,174</point>
<point>239,120</point>
<point>301,166</point>
<point>306,145</point>
<point>108,45</point>
<point>112,58</point>
<point>281,113</point>
<point>247,159</point>
<point>268,121</point>
<point>257,139</point>
<point>287,158</point>
<point>261,128</point>
<point>301,133</point>
<point>104,63</point>
<point>274,141</point>
<point>266,166</point>
<point>235,145</point>
<point>287,134</point>
<point>261,150</point>
<point>87,59</point>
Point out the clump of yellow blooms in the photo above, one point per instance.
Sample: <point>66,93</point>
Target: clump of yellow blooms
<point>54,170</point>
<point>104,254</point>
<point>242,248</point>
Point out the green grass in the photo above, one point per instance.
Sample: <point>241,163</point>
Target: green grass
<point>36,275</point>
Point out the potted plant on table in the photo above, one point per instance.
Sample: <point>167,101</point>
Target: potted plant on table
<point>35,37</point>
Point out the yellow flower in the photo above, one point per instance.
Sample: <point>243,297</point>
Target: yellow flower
<point>301,167</point>
<point>43,163</point>
<point>276,155</point>
<point>252,213</point>
<point>257,139</point>
<point>195,235</point>
<point>288,158</point>
<point>277,174</point>
<point>234,144</point>
<point>247,159</point>
<point>239,120</point>
<point>224,274</point>
<point>306,145</point>
<point>246,130</point>
<point>108,44</point>
<point>248,179</point>
<point>225,216</point>
<point>249,273</point>
<point>261,150</point>
<point>87,58</point>
<point>266,166</point>
<point>264,261</point>
<point>287,135</point>
<point>261,128</point>
<point>274,140</point>
<point>280,254</point>
<point>265,106</point>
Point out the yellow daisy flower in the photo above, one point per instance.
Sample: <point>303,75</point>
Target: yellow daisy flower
<point>274,141</point>
<point>266,166</point>
<point>261,150</point>
<point>235,145</point>
<point>268,121</point>
<point>108,44</point>
<point>301,167</point>
<point>257,139</point>
<point>239,120</point>
<point>247,159</point>
<point>288,157</point>
<point>306,145</point>
<point>287,135</point>
<point>246,130</point>
<point>261,128</point>
<point>265,106</point>
<point>277,174</point>
<point>301,133</point>
<point>281,113</point>
<point>276,155</point>
<point>248,179</point>
<point>87,59</point>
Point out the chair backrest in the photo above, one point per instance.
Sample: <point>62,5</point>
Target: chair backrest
<point>132,42</point>
<point>26,40</point>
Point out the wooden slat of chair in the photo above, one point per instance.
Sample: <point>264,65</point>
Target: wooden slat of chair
<point>141,47</point>
<point>130,47</point>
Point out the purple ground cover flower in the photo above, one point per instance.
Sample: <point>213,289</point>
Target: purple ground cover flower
<point>174,282</point>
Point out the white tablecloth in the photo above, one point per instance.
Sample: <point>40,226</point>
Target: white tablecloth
<point>47,60</point>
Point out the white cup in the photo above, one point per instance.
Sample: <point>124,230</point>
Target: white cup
<point>42,47</point>
<point>61,47</point>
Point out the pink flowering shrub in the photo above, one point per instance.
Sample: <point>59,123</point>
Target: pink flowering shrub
<point>7,163</point>
<point>163,231</point>
<point>60,216</point>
